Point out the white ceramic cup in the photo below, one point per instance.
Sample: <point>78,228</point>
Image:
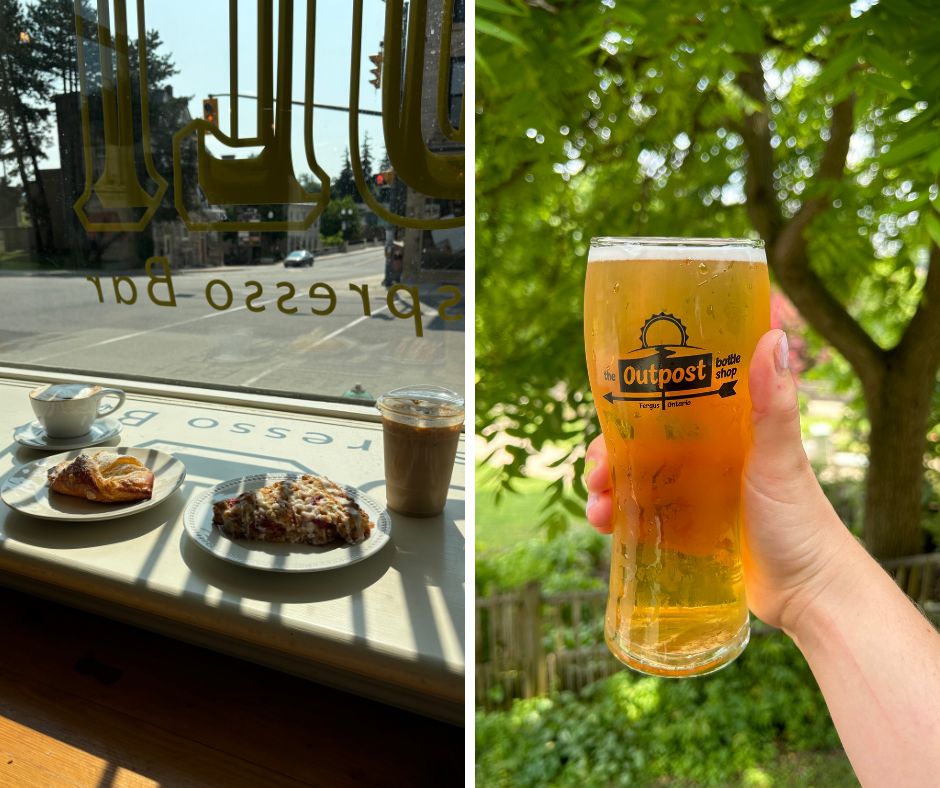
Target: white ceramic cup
<point>67,410</point>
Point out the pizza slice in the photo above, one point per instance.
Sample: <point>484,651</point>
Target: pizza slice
<point>307,510</point>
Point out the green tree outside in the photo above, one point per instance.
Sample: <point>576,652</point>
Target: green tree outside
<point>341,217</point>
<point>811,124</point>
<point>344,184</point>
<point>24,88</point>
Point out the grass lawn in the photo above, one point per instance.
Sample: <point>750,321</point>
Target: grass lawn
<point>801,769</point>
<point>513,519</point>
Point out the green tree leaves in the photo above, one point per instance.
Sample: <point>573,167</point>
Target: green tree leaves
<point>710,118</point>
<point>341,217</point>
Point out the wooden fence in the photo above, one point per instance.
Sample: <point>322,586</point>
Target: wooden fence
<point>529,643</point>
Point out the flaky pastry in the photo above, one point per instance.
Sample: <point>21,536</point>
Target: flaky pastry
<point>105,476</point>
<point>307,510</point>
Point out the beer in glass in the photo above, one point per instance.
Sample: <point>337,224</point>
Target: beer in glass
<point>669,328</point>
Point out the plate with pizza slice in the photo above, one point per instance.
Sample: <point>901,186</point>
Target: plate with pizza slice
<point>287,522</point>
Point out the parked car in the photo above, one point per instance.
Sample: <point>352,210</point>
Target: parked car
<point>299,258</point>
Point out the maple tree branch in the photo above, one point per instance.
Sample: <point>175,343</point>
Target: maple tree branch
<point>762,205</point>
<point>786,240</point>
<point>792,239</point>
<point>789,257</point>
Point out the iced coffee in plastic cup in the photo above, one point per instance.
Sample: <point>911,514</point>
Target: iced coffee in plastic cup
<point>421,425</point>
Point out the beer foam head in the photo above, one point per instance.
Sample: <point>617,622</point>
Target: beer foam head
<point>732,250</point>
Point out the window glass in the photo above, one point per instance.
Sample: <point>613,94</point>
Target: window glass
<point>456,90</point>
<point>237,193</point>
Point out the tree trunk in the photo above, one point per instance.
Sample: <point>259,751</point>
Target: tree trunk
<point>898,383</point>
<point>21,167</point>
<point>898,413</point>
<point>41,216</point>
<point>6,83</point>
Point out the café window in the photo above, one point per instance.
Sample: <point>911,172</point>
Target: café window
<point>242,194</point>
<point>455,98</point>
<point>232,285</point>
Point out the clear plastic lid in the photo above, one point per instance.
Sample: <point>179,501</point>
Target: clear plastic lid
<point>422,406</point>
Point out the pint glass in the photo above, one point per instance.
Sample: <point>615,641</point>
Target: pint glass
<point>669,328</point>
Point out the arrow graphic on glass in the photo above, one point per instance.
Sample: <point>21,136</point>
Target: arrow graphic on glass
<point>725,390</point>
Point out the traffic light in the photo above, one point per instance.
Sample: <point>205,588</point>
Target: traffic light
<point>210,110</point>
<point>383,184</point>
<point>385,178</point>
<point>377,60</point>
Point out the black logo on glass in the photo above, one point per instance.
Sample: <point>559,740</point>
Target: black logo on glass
<point>668,369</point>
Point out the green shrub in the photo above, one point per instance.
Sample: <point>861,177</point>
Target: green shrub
<point>576,560</point>
<point>847,497</point>
<point>332,240</point>
<point>635,730</point>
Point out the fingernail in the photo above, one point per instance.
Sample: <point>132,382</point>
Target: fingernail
<point>592,499</point>
<point>782,353</point>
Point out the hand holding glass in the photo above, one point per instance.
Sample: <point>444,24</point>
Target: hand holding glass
<point>669,327</point>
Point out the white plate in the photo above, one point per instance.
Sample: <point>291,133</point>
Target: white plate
<point>34,436</point>
<point>276,556</point>
<point>27,491</point>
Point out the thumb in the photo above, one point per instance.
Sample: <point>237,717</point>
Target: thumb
<point>777,462</point>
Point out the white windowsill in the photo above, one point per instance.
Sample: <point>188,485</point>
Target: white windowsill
<point>390,627</point>
<point>345,410</point>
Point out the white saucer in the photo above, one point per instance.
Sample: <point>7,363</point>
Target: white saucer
<point>34,436</point>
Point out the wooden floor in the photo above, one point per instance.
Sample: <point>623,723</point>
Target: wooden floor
<point>88,702</point>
